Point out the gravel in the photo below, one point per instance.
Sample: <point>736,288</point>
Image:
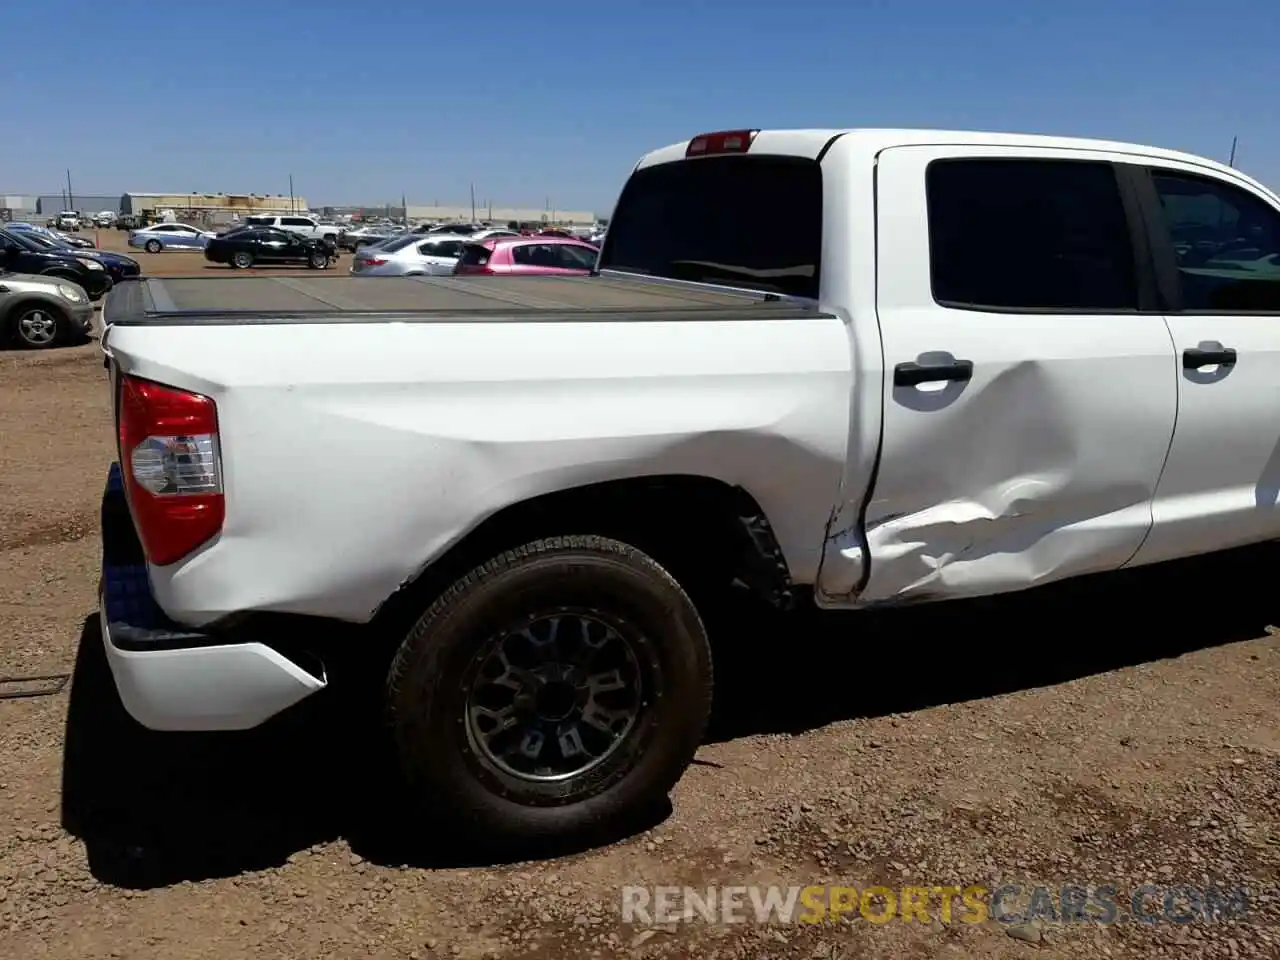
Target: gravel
<point>1104,734</point>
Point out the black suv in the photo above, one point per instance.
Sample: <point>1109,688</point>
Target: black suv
<point>19,257</point>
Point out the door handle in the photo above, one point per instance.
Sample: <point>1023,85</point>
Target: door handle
<point>1193,358</point>
<point>913,374</point>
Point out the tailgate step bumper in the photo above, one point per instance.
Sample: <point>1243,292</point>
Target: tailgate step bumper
<point>173,678</point>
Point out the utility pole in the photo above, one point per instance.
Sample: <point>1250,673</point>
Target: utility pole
<point>1232,162</point>
<point>292,208</point>
<point>404,208</point>
<point>473,203</point>
<point>71,197</point>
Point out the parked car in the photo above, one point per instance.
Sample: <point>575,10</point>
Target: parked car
<point>245,248</point>
<point>63,239</point>
<point>39,312</point>
<point>413,255</point>
<point>71,240</point>
<point>358,237</point>
<point>67,220</point>
<point>488,233</point>
<point>118,266</point>
<point>304,226</point>
<point>19,253</point>
<point>522,256</point>
<point>104,218</point>
<point>855,412</point>
<point>170,236</point>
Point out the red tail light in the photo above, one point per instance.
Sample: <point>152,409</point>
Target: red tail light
<point>726,141</point>
<point>372,262</point>
<point>172,467</point>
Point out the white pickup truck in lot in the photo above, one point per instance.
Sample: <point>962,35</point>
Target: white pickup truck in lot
<point>971,364</point>
<point>303,226</point>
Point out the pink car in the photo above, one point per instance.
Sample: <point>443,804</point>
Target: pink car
<point>527,256</point>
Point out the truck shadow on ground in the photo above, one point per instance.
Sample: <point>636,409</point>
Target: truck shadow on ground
<point>157,809</point>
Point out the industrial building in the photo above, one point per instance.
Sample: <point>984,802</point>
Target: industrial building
<point>220,208</point>
<point>17,207</point>
<point>484,212</point>
<point>498,214</point>
<point>52,204</point>
<point>212,204</point>
<point>29,207</point>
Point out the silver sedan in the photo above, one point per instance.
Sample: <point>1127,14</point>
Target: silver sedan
<point>409,256</point>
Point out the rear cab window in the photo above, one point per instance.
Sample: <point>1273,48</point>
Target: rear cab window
<point>715,220</point>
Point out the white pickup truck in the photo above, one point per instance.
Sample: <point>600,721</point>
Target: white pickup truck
<point>971,364</point>
<point>304,226</point>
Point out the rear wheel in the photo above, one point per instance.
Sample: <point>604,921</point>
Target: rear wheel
<point>153,246</point>
<point>553,695</point>
<point>241,260</point>
<point>318,260</point>
<point>38,326</point>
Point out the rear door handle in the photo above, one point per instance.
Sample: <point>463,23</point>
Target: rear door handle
<point>913,374</point>
<point>1193,358</point>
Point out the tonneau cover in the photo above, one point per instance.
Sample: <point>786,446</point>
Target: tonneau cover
<point>312,298</point>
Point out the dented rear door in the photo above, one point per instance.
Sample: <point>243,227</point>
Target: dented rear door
<point>1029,394</point>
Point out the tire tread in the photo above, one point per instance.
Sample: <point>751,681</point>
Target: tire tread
<point>416,656</point>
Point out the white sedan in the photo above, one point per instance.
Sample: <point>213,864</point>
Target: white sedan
<point>170,236</point>
<point>431,255</point>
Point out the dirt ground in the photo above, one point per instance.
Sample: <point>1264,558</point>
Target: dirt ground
<point>1118,733</point>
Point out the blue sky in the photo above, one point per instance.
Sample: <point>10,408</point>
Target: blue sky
<point>363,101</point>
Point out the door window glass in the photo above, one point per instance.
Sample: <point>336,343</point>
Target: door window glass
<point>1029,235</point>
<point>1227,243</point>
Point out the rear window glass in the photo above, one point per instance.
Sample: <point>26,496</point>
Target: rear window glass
<point>260,221</point>
<point>474,255</point>
<point>716,220</point>
<point>399,243</point>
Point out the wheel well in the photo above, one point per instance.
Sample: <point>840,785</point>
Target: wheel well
<point>703,531</point>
